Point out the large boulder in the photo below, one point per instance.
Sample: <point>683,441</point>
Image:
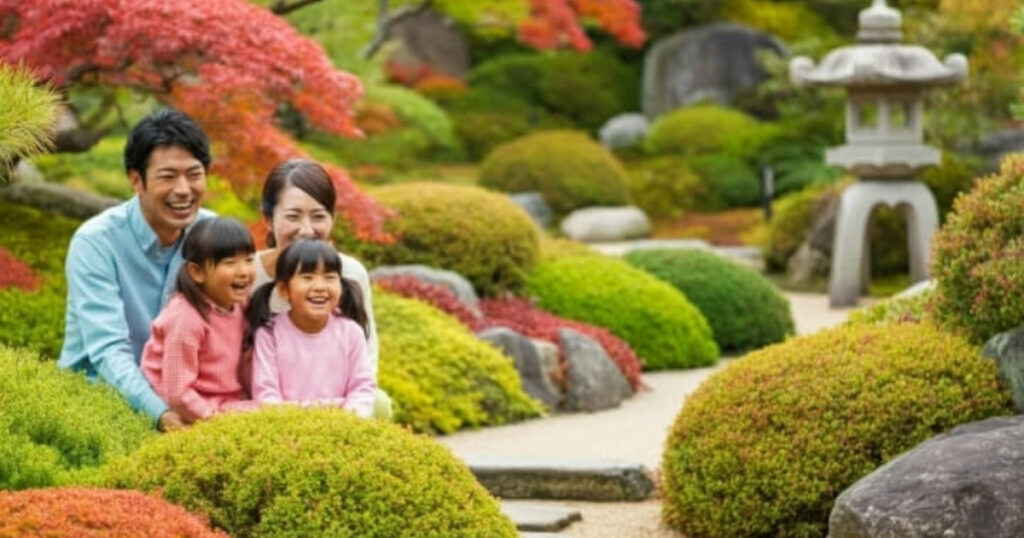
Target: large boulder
<point>451,280</point>
<point>429,42</point>
<point>595,383</point>
<point>708,63</point>
<point>522,350</point>
<point>624,130</point>
<point>606,224</point>
<point>967,483</point>
<point>1007,349</point>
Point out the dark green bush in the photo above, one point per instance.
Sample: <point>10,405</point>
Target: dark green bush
<point>667,187</point>
<point>744,310</point>
<point>54,423</point>
<point>655,319</point>
<point>313,472</point>
<point>484,119</point>
<point>707,129</point>
<point>441,377</point>
<point>568,168</point>
<point>481,235</point>
<point>954,175</point>
<point>764,446</point>
<point>731,181</point>
<point>977,256</point>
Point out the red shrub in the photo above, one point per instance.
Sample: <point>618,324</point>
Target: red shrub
<point>439,297</point>
<point>15,274</point>
<point>87,513</point>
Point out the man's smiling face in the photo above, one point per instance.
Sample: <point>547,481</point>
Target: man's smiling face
<point>172,191</point>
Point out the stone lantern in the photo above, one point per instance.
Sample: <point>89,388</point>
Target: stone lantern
<point>885,83</point>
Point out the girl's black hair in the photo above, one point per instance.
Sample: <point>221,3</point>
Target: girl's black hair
<point>303,256</point>
<point>303,174</point>
<point>210,241</point>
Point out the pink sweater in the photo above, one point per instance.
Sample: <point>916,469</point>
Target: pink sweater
<point>326,368</point>
<point>193,364</point>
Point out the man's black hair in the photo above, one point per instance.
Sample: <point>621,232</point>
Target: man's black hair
<point>164,128</point>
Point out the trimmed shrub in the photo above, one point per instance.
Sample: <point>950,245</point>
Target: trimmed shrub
<point>667,187</point>
<point>485,119</point>
<point>977,256</point>
<point>568,168</point>
<point>764,446</point>
<point>791,221</point>
<point>54,423</point>
<point>908,309</point>
<point>439,375</point>
<point>744,310</point>
<point>657,321</point>
<point>954,175</point>
<point>96,513</point>
<point>707,129</point>
<point>731,181</point>
<point>481,235</point>
<point>557,247</point>
<point>286,471</point>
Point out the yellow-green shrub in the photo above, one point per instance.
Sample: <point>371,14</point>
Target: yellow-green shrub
<point>908,309</point>
<point>667,187</point>
<point>439,376</point>
<point>312,472</point>
<point>481,235</point>
<point>54,423</point>
<point>567,167</point>
<point>764,446</point>
<point>706,129</point>
<point>654,318</point>
<point>791,221</point>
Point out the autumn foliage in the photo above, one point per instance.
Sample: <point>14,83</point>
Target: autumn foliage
<point>15,274</point>
<point>87,513</point>
<point>553,23</point>
<point>228,64</point>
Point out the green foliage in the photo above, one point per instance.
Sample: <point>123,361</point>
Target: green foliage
<point>797,161</point>
<point>481,235</point>
<point>955,174</point>
<point>552,248</point>
<point>655,319</point>
<point>764,446</point>
<point>35,320</point>
<point>788,21</point>
<point>731,181</point>
<point>343,28</point>
<point>224,201</point>
<point>440,377</point>
<point>663,17</point>
<point>288,471</point>
<point>99,170</point>
<point>27,116</point>
<point>667,186</point>
<point>419,113</point>
<point>706,129</point>
<point>744,310</point>
<point>906,309</point>
<point>568,168</point>
<point>53,422</point>
<point>485,119</point>
<point>791,221</point>
<point>977,253</point>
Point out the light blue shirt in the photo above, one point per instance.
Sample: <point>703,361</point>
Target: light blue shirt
<point>119,277</point>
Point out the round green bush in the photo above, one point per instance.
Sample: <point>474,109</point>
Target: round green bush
<point>667,187</point>
<point>287,471</point>
<point>744,310</point>
<point>481,235</point>
<point>915,308</point>
<point>654,318</point>
<point>439,375</point>
<point>568,168</point>
<point>420,114</point>
<point>55,424</point>
<point>977,253</point>
<point>731,181</point>
<point>707,129</point>
<point>764,446</point>
<point>484,119</point>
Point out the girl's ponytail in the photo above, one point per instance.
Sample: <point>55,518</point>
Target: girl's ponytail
<point>190,290</point>
<point>352,303</point>
<point>258,313</point>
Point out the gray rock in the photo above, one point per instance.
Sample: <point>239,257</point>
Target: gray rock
<point>561,479</point>
<point>430,40</point>
<point>968,483</point>
<point>455,282</point>
<point>534,517</point>
<point>57,198</point>
<point>1007,349</point>
<point>624,130</point>
<point>708,63</point>
<point>606,224</point>
<point>594,382</point>
<point>536,381</point>
<point>549,361</point>
<point>995,146</point>
<point>535,206</point>
<point>805,264</point>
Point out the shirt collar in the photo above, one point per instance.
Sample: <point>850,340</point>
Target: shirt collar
<point>141,229</point>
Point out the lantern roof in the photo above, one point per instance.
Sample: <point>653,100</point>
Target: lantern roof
<point>879,59</point>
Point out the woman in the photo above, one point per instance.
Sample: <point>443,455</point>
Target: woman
<point>298,202</point>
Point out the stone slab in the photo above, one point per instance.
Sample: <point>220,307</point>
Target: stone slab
<point>539,518</point>
<point>525,478</point>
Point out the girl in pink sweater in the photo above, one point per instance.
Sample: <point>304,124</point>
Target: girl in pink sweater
<point>193,353</point>
<point>315,353</point>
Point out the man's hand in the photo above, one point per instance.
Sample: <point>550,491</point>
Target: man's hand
<point>170,421</point>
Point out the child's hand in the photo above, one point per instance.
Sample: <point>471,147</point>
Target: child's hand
<point>170,421</point>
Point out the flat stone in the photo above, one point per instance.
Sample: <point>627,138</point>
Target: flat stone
<point>606,223</point>
<point>515,478</point>
<point>539,518</point>
<point>619,248</point>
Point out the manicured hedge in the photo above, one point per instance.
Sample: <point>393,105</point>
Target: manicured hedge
<point>96,513</point>
<point>977,256</point>
<point>915,308</point>
<point>655,319</point>
<point>667,186</point>
<point>744,310</point>
<point>54,423</point>
<point>567,167</point>
<point>313,472</point>
<point>764,446</point>
<point>439,375</point>
<point>707,129</point>
<point>481,235</point>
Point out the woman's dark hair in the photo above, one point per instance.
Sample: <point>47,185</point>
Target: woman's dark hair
<point>210,241</point>
<point>303,174</point>
<point>164,128</point>
<point>303,256</point>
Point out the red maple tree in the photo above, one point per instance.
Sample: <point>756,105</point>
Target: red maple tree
<point>226,63</point>
<point>553,23</point>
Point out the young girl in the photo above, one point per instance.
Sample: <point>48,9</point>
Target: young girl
<point>314,353</point>
<point>192,356</point>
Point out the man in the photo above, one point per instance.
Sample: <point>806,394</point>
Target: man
<point>122,263</point>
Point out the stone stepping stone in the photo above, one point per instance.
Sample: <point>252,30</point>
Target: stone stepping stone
<point>535,517</point>
<point>525,478</point>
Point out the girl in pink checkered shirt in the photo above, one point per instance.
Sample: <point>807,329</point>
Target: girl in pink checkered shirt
<point>193,354</point>
<point>314,353</point>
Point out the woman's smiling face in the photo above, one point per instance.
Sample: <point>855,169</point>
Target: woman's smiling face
<point>299,215</point>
